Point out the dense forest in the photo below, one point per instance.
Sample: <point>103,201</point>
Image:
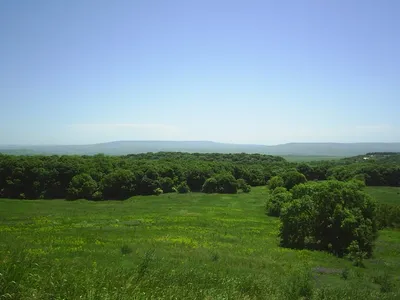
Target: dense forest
<point>119,177</point>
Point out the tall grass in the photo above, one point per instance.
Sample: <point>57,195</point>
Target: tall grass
<point>192,246</point>
<point>26,277</point>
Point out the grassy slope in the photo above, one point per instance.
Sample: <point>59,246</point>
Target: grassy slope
<point>385,194</point>
<point>184,246</point>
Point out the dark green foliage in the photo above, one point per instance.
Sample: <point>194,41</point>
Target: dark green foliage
<point>373,173</point>
<point>246,188</point>
<point>277,199</point>
<point>329,216</point>
<point>293,178</point>
<point>227,184</point>
<point>385,281</point>
<point>242,185</point>
<point>356,255</point>
<point>311,172</point>
<point>210,186</point>
<point>167,184</point>
<point>82,186</point>
<point>275,182</point>
<point>97,196</point>
<point>256,176</point>
<point>183,188</point>
<point>148,185</point>
<point>196,178</point>
<point>345,274</point>
<point>360,177</point>
<point>119,184</point>
<point>297,222</point>
<point>120,177</point>
<point>221,183</point>
<point>125,249</point>
<point>388,215</point>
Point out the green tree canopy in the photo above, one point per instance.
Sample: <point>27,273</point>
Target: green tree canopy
<point>329,216</point>
<point>82,186</point>
<point>293,178</point>
<point>275,181</point>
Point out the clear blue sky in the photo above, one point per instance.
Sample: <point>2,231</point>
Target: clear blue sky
<point>266,72</point>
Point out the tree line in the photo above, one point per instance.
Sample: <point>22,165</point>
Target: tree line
<point>119,177</point>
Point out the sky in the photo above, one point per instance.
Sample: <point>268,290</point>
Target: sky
<point>260,72</point>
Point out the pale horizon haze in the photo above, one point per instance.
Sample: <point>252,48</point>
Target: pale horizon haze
<point>254,72</point>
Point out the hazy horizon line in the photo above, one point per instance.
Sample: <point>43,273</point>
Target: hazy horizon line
<point>187,141</point>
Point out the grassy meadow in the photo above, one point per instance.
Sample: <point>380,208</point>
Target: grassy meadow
<point>385,194</point>
<point>176,246</point>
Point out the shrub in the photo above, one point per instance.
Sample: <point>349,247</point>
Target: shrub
<point>167,184</point>
<point>125,249</point>
<point>385,281</point>
<point>119,184</point>
<point>277,199</point>
<point>293,178</point>
<point>242,185</point>
<point>275,182</point>
<point>183,188</point>
<point>227,184</point>
<point>97,195</point>
<point>297,218</point>
<point>246,188</point>
<point>158,191</point>
<point>356,255</point>
<point>81,186</point>
<point>210,186</point>
<point>360,177</point>
<point>221,183</point>
<point>388,215</point>
<point>345,274</point>
<point>278,190</point>
<point>148,185</point>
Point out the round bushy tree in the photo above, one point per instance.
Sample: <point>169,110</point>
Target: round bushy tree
<point>242,185</point>
<point>210,186</point>
<point>226,183</point>
<point>81,186</point>
<point>221,183</point>
<point>183,188</point>
<point>119,184</point>
<point>158,191</point>
<point>195,179</point>
<point>293,178</point>
<point>148,185</point>
<point>275,181</point>
<point>277,199</point>
<point>329,216</point>
<point>167,184</point>
<point>297,221</point>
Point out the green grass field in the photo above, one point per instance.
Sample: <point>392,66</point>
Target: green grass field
<point>385,194</point>
<point>174,246</point>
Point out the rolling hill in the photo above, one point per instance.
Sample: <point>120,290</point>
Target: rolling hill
<point>133,147</point>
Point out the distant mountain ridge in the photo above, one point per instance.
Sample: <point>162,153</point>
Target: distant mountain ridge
<point>135,147</point>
